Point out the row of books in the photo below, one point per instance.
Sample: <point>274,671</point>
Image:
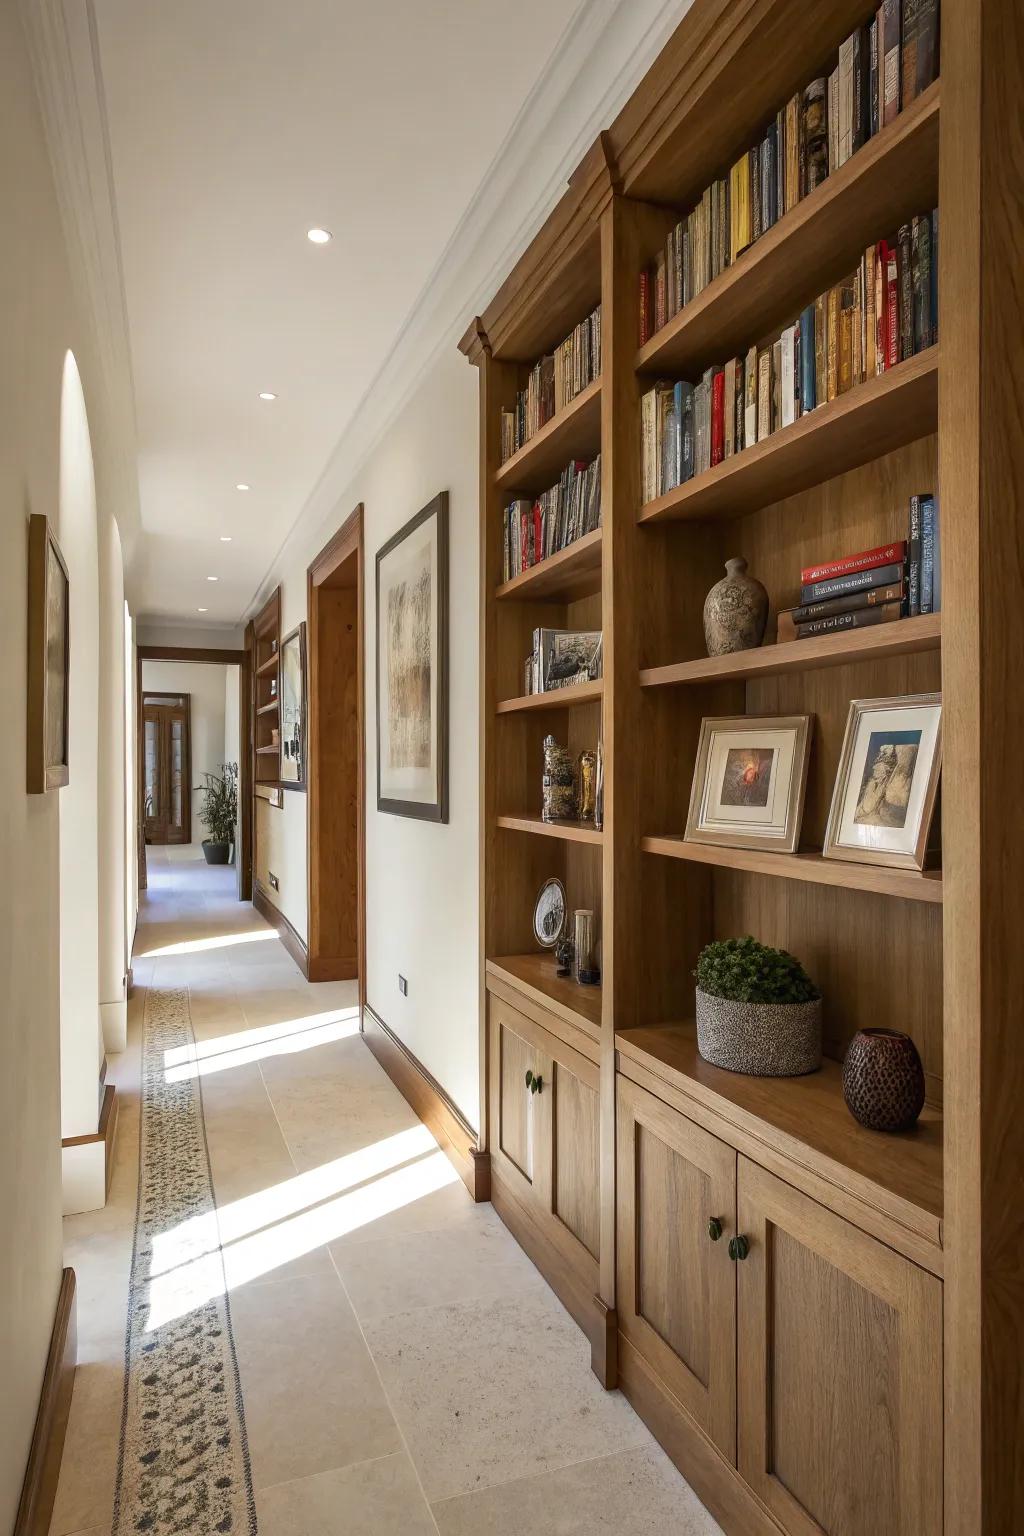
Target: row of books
<point>881,69</point>
<point>538,528</point>
<point>563,658</point>
<point>874,586</point>
<point>884,312</point>
<point>554,381</point>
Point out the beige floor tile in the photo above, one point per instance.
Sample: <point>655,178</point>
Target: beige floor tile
<point>637,1493</point>
<point>484,1389</point>
<point>85,1491</point>
<point>447,1206</point>
<point>373,1498</point>
<point>312,1397</point>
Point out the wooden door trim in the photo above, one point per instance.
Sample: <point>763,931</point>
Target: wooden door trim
<point>343,544</point>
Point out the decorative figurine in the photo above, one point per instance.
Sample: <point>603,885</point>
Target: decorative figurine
<point>599,789</point>
<point>586,799</point>
<point>559,783</point>
<point>735,611</point>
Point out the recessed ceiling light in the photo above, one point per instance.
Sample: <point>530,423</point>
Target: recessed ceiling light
<point>225,538</point>
<point>213,578</point>
<point>266,394</point>
<point>319,236</point>
<point>201,610</point>
<point>241,486</point>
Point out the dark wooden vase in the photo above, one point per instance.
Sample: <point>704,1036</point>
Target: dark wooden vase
<point>883,1080</point>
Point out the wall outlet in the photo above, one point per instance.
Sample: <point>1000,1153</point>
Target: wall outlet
<point>275,884</point>
<point>403,985</point>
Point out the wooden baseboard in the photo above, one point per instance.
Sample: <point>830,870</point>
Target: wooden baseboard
<point>39,1489</point>
<point>714,1480</point>
<point>438,1112</point>
<point>106,1131</point>
<point>295,946</point>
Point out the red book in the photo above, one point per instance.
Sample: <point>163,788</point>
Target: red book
<point>867,560</point>
<point>718,417</point>
<point>645,307</point>
<point>892,307</point>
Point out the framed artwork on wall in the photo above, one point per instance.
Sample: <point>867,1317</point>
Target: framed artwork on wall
<point>888,781</point>
<point>293,709</point>
<point>749,782</point>
<point>49,608</point>
<point>412,667</point>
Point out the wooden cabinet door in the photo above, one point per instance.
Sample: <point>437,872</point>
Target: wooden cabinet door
<point>676,1295</point>
<point>520,1140</point>
<point>840,1371</point>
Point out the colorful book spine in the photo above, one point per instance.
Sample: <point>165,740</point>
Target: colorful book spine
<point>860,618</point>
<point>914,559</point>
<point>808,397</point>
<point>864,560</point>
<point>858,581</point>
<point>850,603</point>
<point>927,554</point>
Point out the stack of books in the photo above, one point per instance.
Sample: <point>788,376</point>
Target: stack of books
<point>874,586</point>
<point>884,312</point>
<point>554,520</point>
<point>553,382</point>
<point>881,69</point>
<point>563,658</point>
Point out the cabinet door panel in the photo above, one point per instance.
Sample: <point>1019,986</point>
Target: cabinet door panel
<point>677,1286</point>
<point>840,1371</point>
<point>515,1125</point>
<point>576,1176</point>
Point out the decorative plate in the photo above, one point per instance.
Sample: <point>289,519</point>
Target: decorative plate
<point>549,914</point>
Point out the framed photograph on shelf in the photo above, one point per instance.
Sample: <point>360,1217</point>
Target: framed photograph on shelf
<point>888,781</point>
<point>749,781</point>
<point>412,667</point>
<point>49,648</point>
<point>293,709</point>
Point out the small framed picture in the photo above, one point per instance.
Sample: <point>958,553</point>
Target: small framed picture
<point>888,780</point>
<point>49,608</point>
<point>749,782</point>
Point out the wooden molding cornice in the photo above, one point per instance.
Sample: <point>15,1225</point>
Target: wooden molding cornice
<point>475,344</point>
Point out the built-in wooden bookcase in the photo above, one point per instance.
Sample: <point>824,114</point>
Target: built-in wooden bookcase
<point>267,688</point>
<point>838,480</point>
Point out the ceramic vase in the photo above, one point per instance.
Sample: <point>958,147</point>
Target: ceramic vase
<point>883,1080</point>
<point>735,611</point>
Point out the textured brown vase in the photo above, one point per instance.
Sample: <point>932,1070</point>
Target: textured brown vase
<point>735,611</point>
<point>883,1080</point>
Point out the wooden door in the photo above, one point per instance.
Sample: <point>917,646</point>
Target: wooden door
<point>166,768</point>
<point>676,1292</point>
<point>840,1371</point>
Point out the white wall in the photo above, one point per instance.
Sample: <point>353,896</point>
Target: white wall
<point>421,878</point>
<point>205,683</point>
<point>209,637</point>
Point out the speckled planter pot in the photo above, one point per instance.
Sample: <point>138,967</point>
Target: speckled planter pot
<point>759,1039</point>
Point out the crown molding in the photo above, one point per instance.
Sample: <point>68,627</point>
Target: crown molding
<point>63,48</point>
<point>601,57</point>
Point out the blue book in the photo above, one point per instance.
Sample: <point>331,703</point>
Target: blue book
<point>856,581</point>
<point>914,558</point>
<point>928,529</point>
<point>677,423</point>
<point>807,396</point>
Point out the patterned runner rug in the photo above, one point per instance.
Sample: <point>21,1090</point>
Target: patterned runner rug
<point>183,1464</point>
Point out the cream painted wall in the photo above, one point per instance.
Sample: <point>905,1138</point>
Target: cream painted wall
<point>421,878</point>
<point>40,320</point>
<point>205,683</point>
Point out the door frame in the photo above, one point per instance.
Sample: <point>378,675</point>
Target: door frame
<point>164,696</point>
<point>225,658</point>
<point>346,542</point>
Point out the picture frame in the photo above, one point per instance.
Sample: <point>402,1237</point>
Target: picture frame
<point>749,781</point>
<point>887,782</point>
<point>49,660</point>
<point>292,709</point>
<point>412,666</point>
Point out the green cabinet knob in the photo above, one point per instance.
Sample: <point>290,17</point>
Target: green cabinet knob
<point>714,1229</point>
<point>534,1081</point>
<point>738,1247</point>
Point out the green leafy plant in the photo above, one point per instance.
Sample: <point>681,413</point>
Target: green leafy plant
<point>745,971</point>
<point>219,810</point>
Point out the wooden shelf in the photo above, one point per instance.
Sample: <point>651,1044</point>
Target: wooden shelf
<point>269,665</point>
<point>558,698</point>
<point>568,831</point>
<point>265,751</point>
<point>535,975</point>
<point>571,573</point>
<point>903,638</point>
<point>811,867</point>
<point>805,1120</point>
<point>811,247</point>
<point>575,433</point>
<point>870,420</point>
<point>267,709</point>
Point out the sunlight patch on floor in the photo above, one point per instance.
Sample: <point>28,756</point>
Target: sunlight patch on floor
<point>205,1057</point>
<point>219,941</point>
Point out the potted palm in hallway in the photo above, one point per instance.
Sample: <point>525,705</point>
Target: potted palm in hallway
<point>219,813</point>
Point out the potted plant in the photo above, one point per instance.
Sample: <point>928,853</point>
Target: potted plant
<point>219,812</point>
<point>758,1011</point>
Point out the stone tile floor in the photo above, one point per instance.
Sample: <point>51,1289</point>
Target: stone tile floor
<point>378,1313</point>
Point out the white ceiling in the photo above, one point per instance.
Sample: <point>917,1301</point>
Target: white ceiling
<point>234,127</point>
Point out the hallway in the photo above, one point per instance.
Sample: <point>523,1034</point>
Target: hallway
<point>403,1366</point>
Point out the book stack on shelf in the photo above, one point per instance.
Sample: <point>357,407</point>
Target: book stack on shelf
<point>554,381</point>
<point>536,529</point>
<point>881,69</point>
<point>563,658</point>
<point>883,313</point>
<point>875,586</point>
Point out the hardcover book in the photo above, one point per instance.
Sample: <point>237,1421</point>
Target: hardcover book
<point>850,603</point>
<point>864,560</point>
<point>860,618</point>
<point>856,581</point>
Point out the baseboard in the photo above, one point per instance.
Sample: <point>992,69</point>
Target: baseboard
<point>714,1480</point>
<point>438,1112</point>
<point>295,946</point>
<point>39,1489</point>
<point>87,1162</point>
